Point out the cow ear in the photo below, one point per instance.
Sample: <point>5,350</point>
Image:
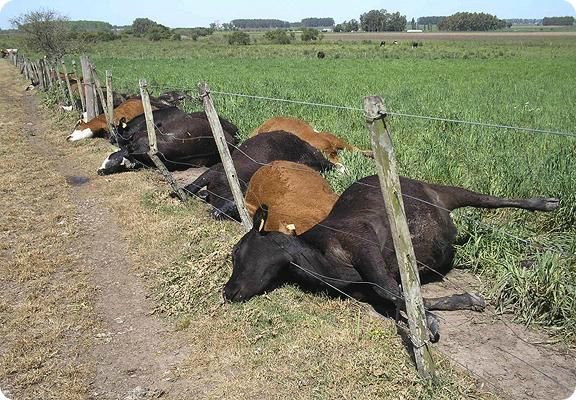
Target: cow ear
<point>260,217</point>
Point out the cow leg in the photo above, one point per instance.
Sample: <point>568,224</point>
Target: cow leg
<point>372,268</point>
<point>464,301</point>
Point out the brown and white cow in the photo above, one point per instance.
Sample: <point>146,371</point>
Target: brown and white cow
<point>326,142</point>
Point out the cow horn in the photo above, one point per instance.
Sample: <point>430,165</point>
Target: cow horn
<point>260,217</point>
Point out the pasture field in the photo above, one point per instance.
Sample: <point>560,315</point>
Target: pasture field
<point>526,260</point>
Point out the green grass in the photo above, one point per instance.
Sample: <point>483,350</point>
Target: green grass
<point>518,83</point>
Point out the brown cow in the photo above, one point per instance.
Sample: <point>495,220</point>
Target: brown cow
<point>326,142</point>
<point>97,127</point>
<point>297,196</point>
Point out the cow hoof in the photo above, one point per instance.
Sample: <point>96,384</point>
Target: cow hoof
<point>101,172</point>
<point>477,302</point>
<point>433,327</point>
<point>550,204</point>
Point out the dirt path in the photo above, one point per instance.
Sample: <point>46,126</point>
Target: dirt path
<point>134,355</point>
<point>516,361</point>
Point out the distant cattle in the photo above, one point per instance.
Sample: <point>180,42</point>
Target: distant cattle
<point>320,54</point>
<point>326,142</point>
<point>248,158</point>
<point>98,127</point>
<point>183,141</point>
<point>353,245</point>
<point>298,197</point>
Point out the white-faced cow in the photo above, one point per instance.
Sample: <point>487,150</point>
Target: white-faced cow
<point>98,127</point>
<point>183,141</point>
<point>248,158</point>
<point>353,244</point>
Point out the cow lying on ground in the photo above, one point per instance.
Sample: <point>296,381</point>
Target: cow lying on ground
<point>297,196</point>
<point>183,141</point>
<point>98,127</point>
<point>353,244</point>
<point>248,158</point>
<point>326,142</point>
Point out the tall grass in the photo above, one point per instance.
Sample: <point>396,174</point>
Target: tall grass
<point>525,84</point>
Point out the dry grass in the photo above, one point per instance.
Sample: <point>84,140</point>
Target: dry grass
<point>45,301</point>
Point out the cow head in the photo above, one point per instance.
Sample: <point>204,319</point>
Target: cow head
<point>81,131</point>
<point>119,161</point>
<point>259,262</point>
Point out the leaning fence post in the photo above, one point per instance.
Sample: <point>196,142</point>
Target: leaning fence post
<point>70,95</point>
<point>88,84</point>
<point>153,148</point>
<point>63,95</point>
<point>110,102</point>
<point>391,192</point>
<point>48,72</point>
<point>227,163</point>
<point>80,85</point>
<point>42,69</point>
<point>102,99</point>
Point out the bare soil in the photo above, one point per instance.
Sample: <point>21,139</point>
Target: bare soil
<point>77,320</point>
<point>520,362</point>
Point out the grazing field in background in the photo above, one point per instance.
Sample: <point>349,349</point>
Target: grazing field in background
<point>524,83</point>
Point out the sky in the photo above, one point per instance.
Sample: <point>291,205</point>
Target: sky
<point>188,13</point>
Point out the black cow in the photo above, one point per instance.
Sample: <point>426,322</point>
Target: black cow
<point>251,155</point>
<point>183,141</point>
<point>353,244</point>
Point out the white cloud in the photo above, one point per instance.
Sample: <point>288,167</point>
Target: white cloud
<point>571,2</point>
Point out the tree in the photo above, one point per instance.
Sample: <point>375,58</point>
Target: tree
<point>141,26</point>
<point>279,36</point>
<point>381,20</point>
<point>45,31</point>
<point>151,29</point>
<point>566,21</point>
<point>238,37</point>
<point>309,34</point>
<point>465,21</point>
<point>317,22</point>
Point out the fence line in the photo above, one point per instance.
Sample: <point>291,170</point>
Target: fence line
<point>397,114</point>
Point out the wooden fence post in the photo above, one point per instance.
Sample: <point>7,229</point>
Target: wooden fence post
<point>227,163</point>
<point>41,70</point>
<point>70,94</point>
<point>390,185</point>
<point>79,84</point>
<point>48,69</point>
<point>102,99</point>
<point>110,102</point>
<point>60,81</point>
<point>88,85</point>
<point>153,148</point>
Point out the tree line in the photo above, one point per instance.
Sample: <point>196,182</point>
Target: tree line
<point>466,21</point>
<point>562,21</point>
